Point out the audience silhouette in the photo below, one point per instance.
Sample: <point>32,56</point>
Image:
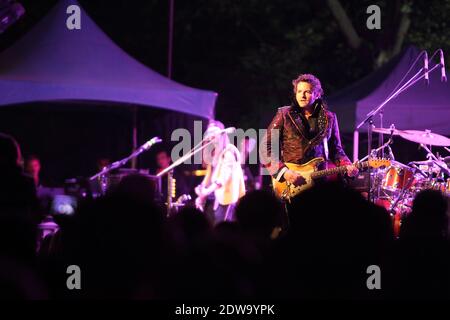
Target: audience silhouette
<point>127,248</point>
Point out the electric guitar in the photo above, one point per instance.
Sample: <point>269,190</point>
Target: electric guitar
<point>308,171</point>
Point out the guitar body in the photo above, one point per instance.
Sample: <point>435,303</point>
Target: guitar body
<point>284,190</point>
<point>309,171</point>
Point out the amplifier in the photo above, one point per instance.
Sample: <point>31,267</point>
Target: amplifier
<point>360,182</point>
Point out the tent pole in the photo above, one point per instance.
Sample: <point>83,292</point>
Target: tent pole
<point>170,49</point>
<point>355,145</point>
<point>134,116</point>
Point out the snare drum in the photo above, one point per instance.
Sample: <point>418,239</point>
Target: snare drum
<point>398,213</point>
<point>398,178</point>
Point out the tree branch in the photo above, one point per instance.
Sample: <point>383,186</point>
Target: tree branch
<point>344,23</point>
<point>403,27</point>
<point>385,55</point>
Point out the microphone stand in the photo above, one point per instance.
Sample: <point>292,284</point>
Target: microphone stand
<point>120,163</point>
<point>403,88</point>
<point>375,151</point>
<point>436,161</point>
<point>380,135</point>
<point>429,153</point>
<point>175,164</point>
<point>192,152</point>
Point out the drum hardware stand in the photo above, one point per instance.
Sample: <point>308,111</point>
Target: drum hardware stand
<point>369,152</point>
<point>373,154</point>
<point>375,151</point>
<point>418,170</point>
<point>381,143</point>
<point>430,154</point>
<point>400,196</point>
<point>436,159</point>
<point>380,136</point>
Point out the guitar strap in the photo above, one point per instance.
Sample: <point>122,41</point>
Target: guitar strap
<point>325,148</point>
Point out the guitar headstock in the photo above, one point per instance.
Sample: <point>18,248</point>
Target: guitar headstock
<point>377,163</point>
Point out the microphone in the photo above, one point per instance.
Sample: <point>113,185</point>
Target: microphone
<point>425,67</point>
<point>149,143</point>
<point>226,130</point>
<point>210,136</point>
<point>443,75</point>
<point>230,130</point>
<point>214,135</point>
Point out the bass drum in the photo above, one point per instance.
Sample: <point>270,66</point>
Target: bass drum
<point>401,210</point>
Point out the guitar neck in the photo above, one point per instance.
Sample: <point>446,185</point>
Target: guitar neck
<point>337,170</point>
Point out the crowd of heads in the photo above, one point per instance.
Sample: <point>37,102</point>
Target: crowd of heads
<point>128,247</point>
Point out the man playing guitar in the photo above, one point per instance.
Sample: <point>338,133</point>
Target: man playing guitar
<point>307,131</point>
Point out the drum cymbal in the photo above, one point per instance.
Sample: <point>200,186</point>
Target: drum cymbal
<point>386,131</point>
<point>399,164</point>
<point>423,163</point>
<point>425,137</point>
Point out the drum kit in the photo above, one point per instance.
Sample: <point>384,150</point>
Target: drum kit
<point>396,186</point>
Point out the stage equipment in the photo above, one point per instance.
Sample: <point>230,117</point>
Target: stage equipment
<point>401,87</point>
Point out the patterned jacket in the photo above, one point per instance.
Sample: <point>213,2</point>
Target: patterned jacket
<point>293,144</point>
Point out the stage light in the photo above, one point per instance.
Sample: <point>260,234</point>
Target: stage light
<point>10,12</point>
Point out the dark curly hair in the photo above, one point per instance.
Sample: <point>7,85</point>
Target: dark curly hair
<point>315,82</point>
<point>311,79</point>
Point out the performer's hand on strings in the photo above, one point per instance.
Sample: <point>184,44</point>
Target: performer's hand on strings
<point>198,189</point>
<point>352,170</point>
<point>200,203</point>
<point>202,193</point>
<point>294,178</point>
